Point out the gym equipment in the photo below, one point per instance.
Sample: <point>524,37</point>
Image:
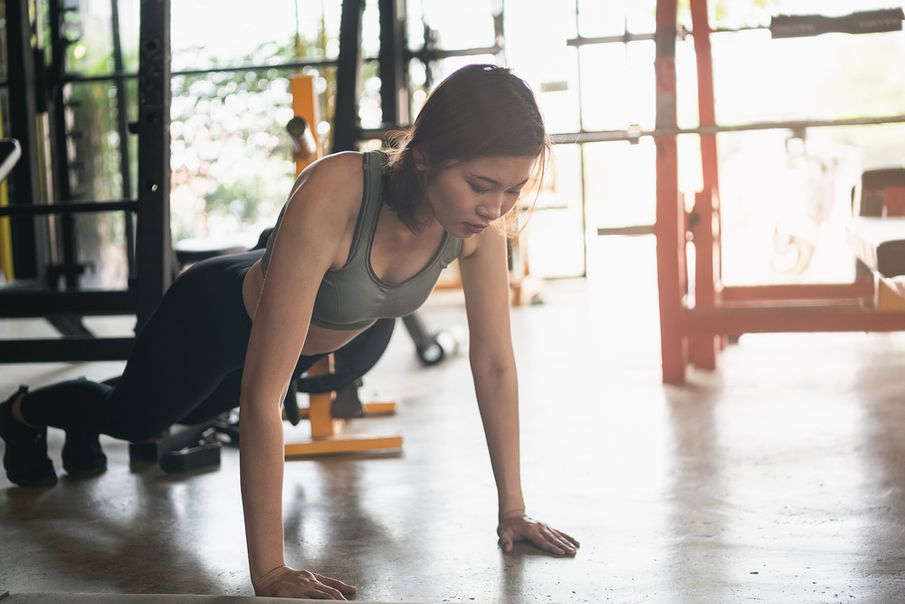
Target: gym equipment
<point>327,412</point>
<point>876,234</point>
<point>303,145</point>
<point>696,334</point>
<point>431,348</point>
<point>36,292</point>
<point>10,152</point>
<point>333,381</point>
<point>302,128</point>
<point>879,243</point>
<point>864,22</point>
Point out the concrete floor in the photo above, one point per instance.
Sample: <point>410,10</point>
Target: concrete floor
<point>780,478</point>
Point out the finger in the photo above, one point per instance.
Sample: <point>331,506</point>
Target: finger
<point>332,592</point>
<point>562,543</point>
<point>506,542</point>
<point>556,538</point>
<point>549,546</point>
<point>312,588</point>
<point>542,541</point>
<point>568,538</point>
<point>340,585</point>
<point>324,592</point>
<point>551,543</point>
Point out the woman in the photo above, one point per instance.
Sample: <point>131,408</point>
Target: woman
<point>347,250</point>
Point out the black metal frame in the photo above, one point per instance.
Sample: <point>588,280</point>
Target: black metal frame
<point>24,180</point>
<point>122,123</point>
<point>150,255</point>
<point>68,267</point>
<point>394,57</point>
<point>152,245</point>
<point>348,77</point>
<point>393,77</point>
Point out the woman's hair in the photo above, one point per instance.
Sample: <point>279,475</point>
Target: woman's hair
<point>478,111</point>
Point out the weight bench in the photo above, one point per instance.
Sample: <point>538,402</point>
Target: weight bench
<point>876,233</point>
<point>879,243</point>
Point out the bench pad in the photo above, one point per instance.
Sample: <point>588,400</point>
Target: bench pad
<point>879,243</point>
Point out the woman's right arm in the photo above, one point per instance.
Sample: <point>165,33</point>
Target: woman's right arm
<point>313,225</point>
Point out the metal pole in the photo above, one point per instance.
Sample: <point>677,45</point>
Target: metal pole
<point>702,349</point>
<point>670,226</point>
<point>581,161</point>
<point>632,136</point>
<point>122,118</point>
<point>348,77</point>
<point>394,100</point>
<point>24,180</point>
<point>65,263</point>
<point>69,208</point>
<point>153,248</point>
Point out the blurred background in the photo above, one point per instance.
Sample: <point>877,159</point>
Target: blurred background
<point>784,195</point>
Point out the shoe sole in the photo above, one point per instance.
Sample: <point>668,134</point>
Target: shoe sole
<point>45,482</point>
<point>86,471</point>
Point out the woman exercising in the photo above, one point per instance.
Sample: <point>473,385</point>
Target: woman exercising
<point>362,236</point>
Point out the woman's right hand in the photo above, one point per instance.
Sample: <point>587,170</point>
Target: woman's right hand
<point>285,582</point>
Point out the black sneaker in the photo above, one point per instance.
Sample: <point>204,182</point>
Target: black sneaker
<point>25,456</point>
<point>82,454</point>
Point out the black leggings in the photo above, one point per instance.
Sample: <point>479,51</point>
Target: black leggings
<point>185,367</point>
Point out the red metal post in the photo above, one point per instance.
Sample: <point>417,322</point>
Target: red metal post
<point>785,318</point>
<point>670,227</point>
<point>829,292</point>
<point>703,348</point>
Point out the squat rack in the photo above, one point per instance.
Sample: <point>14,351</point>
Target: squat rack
<point>695,333</point>
<point>152,238</point>
<point>36,294</point>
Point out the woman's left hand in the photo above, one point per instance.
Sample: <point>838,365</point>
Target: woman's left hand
<point>547,538</point>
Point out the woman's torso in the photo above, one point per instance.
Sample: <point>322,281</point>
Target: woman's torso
<point>396,256</point>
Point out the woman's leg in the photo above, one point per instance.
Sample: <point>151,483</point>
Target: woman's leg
<point>226,396</point>
<point>196,337</point>
<point>223,399</point>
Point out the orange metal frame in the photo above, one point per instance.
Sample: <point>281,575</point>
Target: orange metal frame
<point>304,105</point>
<point>695,334</point>
<point>327,436</point>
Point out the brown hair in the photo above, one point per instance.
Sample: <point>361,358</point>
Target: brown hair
<point>478,111</point>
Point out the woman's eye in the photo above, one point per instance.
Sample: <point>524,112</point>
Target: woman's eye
<point>477,189</point>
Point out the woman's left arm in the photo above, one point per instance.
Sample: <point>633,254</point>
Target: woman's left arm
<point>485,280</point>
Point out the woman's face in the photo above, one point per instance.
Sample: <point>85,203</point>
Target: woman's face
<point>468,195</point>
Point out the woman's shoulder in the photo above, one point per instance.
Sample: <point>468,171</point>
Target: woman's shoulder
<point>333,182</point>
<point>338,168</point>
<point>324,202</point>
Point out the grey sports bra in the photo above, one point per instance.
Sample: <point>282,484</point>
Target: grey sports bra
<point>353,297</point>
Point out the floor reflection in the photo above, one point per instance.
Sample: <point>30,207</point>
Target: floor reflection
<point>94,535</point>
<point>883,458</point>
<point>696,515</point>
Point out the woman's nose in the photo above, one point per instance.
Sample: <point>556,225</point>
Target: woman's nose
<point>491,211</point>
